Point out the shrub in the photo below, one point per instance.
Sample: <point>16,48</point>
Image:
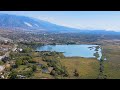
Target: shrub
<point>13,75</point>
<point>76,74</point>
<point>53,72</point>
<point>1,62</point>
<point>18,63</point>
<point>34,68</point>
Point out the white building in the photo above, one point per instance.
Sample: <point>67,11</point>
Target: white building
<point>20,50</point>
<point>2,68</point>
<point>1,57</point>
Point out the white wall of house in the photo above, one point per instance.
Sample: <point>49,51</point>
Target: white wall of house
<point>0,57</point>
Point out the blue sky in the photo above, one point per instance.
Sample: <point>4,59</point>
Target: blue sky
<point>108,20</point>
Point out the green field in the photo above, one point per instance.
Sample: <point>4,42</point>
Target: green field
<point>112,64</point>
<point>27,64</point>
<point>87,68</point>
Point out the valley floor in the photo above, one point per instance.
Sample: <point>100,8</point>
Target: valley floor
<point>112,64</point>
<point>86,68</point>
<point>29,64</point>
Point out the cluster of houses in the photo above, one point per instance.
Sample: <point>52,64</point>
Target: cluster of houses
<point>4,49</point>
<point>4,46</point>
<point>17,50</point>
<point>1,73</point>
<point>5,40</point>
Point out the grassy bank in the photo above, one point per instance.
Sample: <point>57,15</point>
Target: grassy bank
<point>112,64</point>
<point>87,68</point>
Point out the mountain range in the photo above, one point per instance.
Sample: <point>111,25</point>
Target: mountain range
<point>33,24</point>
<point>29,23</point>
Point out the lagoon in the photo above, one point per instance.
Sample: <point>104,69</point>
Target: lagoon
<point>86,51</point>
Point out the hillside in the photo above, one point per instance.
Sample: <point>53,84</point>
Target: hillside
<point>28,23</point>
<point>14,22</point>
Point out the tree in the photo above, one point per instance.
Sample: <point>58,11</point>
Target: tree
<point>76,74</point>
<point>18,62</point>
<point>34,68</point>
<point>12,55</point>
<point>13,75</point>
<point>53,72</point>
<point>26,50</point>
<point>1,62</point>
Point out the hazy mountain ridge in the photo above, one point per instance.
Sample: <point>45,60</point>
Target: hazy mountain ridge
<point>23,22</point>
<point>28,23</point>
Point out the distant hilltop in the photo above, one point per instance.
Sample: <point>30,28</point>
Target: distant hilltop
<point>23,23</point>
<point>28,23</point>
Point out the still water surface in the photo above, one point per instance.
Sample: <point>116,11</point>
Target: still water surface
<point>86,51</point>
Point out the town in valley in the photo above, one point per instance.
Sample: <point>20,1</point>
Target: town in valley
<point>36,49</point>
